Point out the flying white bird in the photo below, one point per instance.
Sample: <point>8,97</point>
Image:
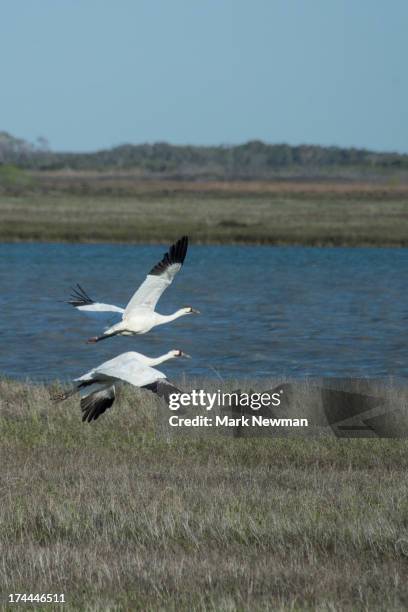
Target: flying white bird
<point>139,316</point>
<point>131,367</point>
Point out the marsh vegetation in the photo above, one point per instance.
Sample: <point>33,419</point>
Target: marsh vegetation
<point>117,517</point>
<point>93,209</point>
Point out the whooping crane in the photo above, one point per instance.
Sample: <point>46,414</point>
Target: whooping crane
<point>130,367</point>
<point>139,316</point>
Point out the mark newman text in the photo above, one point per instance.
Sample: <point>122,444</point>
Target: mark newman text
<point>242,421</point>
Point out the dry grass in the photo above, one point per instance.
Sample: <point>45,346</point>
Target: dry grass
<point>353,217</point>
<point>132,183</point>
<point>118,519</point>
<point>121,207</point>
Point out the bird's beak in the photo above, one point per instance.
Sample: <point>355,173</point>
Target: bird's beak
<point>194,311</point>
<point>185,355</point>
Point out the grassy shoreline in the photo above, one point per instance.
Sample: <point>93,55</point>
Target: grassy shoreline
<point>117,518</point>
<point>314,214</point>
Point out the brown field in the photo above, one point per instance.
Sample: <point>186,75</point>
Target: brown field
<point>132,183</point>
<point>119,519</point>
<point>90,207</point>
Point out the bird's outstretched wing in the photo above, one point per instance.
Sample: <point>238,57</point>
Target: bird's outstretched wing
<point>159,277</point>
<point>163,388</point>
<point>94,404</point>
<point>106,313</point>
<point>124,368</point>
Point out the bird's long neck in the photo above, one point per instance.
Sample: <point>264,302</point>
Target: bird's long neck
<point>154,361</point>
<point>161,319</point>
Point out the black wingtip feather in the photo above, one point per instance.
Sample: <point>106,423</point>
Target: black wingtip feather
<point>79,297</point>
<point>176,254</point>
<point>163,388</point>
<point>95,404</point>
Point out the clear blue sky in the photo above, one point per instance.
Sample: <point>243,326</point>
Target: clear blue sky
<point>88,74</point>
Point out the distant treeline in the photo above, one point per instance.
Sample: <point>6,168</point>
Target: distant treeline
<point>253,160</point>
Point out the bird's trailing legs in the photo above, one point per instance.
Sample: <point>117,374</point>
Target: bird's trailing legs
<point>99,338</point>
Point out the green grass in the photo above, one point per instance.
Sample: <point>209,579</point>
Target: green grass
<point>120,519</point>
<point>308,217</point>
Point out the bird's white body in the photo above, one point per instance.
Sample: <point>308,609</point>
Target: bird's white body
<point>131,367</point>
<point>141,320</point>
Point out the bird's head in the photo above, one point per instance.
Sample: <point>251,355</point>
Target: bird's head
<point>190,310</point>
<point>179,353</point>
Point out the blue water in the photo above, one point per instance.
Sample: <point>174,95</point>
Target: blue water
<point>265,310</point>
